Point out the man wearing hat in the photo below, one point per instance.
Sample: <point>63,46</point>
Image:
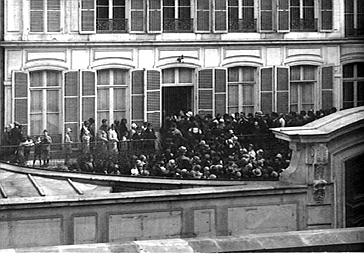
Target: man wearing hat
<point>67,146</point>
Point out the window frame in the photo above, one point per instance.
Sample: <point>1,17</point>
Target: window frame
<point>176,18</point>
<point>45,11</point>
<point>241,7</point>
<point>111,18</point>
<point>355,79</point>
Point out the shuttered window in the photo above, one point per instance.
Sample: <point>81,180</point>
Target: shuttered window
<point>353,85</point>
<point>266,90</point>
<point>220,16</point>
<point>154,97</point>
<point>71,102</point>
<point>110,16</point>
<point>205,92</point>
<point>20,81</point>
<point>177,16</point>
<point>282,89</point>
<point>137,16</point>
<point>241,89</point>
<point>327,80</point>
<point>203,16</point>
<point>354,17</point>
<point>45,16</point>
<point>241,16</point>
<point>137,96</point>
<point>88,95</point>
<point>266,15</point>
<point>283,15</point>
<point>154,16</point>
<point>302,15</point>
<point>326,15</point>
<point>303,82</point>
<point>220,91</point>
<point>88,16</point>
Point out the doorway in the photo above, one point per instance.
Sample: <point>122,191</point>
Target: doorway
<point>354,192</point>
<point>176,98</point>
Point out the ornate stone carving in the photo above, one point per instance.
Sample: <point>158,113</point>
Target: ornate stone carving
<point>319,187</point>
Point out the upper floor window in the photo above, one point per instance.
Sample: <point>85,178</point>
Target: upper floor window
<point>45,16</point>
<point>241,89</point>
<point>302,15</point>
<point>303,81</point>
<point>177,76</point>
<point>354,17</point>
<point>177,16</point>
<point>241,15</point>
<point>110,16</point>
<point>353,85</point>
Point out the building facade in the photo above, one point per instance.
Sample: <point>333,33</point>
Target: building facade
<point>66,61</point>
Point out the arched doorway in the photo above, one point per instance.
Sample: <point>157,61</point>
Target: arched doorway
<point>354,191</point>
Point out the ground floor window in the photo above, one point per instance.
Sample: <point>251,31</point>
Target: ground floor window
<point>45,92</point>
<point>353,85</point>
<point>112,94</point>
<point>241,89</point>
<point>303,81</point>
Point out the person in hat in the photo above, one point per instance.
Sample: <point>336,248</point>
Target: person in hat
<point>37,151</point>
<point>68,146</point>
<point>46,147</point>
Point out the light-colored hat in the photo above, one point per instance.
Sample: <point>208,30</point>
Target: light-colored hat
<point>68,129</point>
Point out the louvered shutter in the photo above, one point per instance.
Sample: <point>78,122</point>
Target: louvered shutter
<point>205,92</point>
<point>283,16</point>
<point>154,16</point>
<point>220,16</point>
<point>154,98</point>
<point>137,16</point>
<point>71,102</point>
<point>220,91</point>
<point>37,16</point>
<point>87,16</point>
<point>326,15</point>
<point>327,80</point>
<point>53,15</point>
<point>88,95</point>
<point>266,90</point>
<point>203,16</point>
<point>282,89</point>
<point>20,92</point>
<point>266,15</point>
<point>137,96</point>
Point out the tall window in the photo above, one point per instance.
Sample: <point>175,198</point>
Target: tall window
<point>353,85</point>
<point>45,16</point>
<point>302,15</point>
<point>111,16</point>
<point>241,15</point>
<point>177,16</point>
<point>303,80</point>
<point>241,86</point>
<point>45,88</point>
<point>354,17</point>
<point>111,94</point>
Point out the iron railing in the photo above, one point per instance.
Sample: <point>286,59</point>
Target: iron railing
<point>111,25</point>
<point>302,25</point>
<point>177,25</point>
<point>241,25</point>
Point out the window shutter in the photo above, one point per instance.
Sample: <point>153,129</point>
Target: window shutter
<point>220,16</point>
<point>71,102</point>
<point>88,93</point>
<point>205,92</point>
<point>20,92</point>
<point>36,16</point>
<point>327,80</point>
<point>266,15</point>
<point>137,96</point>
<point>266,90</point>
<point>282,89</point>
<point>53,16</point>
<point>326,15</point>
<point>283,16</point>
<point>154,97</point>
<point>154,16</point>
<point>88,16</point>
<point>203,16</point>
<point>137,16</point>
<point>220,91</point>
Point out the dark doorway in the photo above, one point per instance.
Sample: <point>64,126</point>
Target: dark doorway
<point>176,98</point>
<point>354,191</point>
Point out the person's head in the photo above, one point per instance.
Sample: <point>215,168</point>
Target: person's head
<point>104,121</point>
<point>86,123</point>
<point>68,130</point>
<point>45,132</point>
<point>91,120</point>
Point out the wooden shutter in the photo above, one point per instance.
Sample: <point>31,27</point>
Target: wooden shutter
<point>282,89</point>
<point>72,102</point>
<point>153,105</point>
<point>137,16</point>
<point>203,16</point>
<point>53,15</point>
<point>205,92</point>
<point>283,16</point>
<point>88,95</point>
<point>87,16</point>
<point>266,90</point>
<point>20,92</point>
<point>220,91</point>
<point>266,15</point>
<point>137,96</point>
<point>327,80</point>
<point>326,15</point>
<point>37,16</point>
<point>220,16</point>
<point>154,16</point>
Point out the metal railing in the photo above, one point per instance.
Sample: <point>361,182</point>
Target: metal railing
<point>303,25</point>
<point>111,25</point>
<point>177,25</point>
<point>241,25</point>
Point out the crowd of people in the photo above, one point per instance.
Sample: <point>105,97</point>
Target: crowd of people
<point>235,146</point>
